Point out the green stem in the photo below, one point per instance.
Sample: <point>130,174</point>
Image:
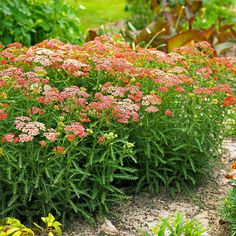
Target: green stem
<point>95,141</point>
<point>148,151</point>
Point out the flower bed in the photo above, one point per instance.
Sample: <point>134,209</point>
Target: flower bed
<point>79,124</point>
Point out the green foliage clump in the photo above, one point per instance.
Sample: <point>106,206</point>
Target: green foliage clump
<point>177,226</point>
<point>30,22</point>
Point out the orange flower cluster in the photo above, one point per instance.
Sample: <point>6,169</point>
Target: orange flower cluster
<point>231,174</point>
<point>59,150</point>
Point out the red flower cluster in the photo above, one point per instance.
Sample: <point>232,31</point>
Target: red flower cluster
<point>232,173</point>
<point>230,100</point>
<point>3,115</point>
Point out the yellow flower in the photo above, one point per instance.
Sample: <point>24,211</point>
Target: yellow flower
<point>110,136</point>
<point>56,107</point>
<point>41,73</point>
<point>3,95</point>
<point>89,131</point>
<point>133,80</point>
<point>36,91</point>
<point>214,101</point>
<point>60,124</point>
<point>128,145</point>
<point>83,89</point>
<point>61,118</point>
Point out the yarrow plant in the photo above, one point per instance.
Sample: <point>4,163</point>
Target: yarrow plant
<point>80,123</point>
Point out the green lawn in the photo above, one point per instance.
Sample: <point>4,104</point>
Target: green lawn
<point>98,12</point>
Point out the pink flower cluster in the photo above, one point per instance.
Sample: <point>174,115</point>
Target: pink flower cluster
<point>76,128</point>
<point>10,138</point>
<point>29,128</point>
<point>126,109</point>
<point>150,101</point>
<point>36,110</point>
<point>52,94</point>
<point>51,135</point>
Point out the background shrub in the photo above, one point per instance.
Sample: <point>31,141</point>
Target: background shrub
<point>30,22</point>
<point>172,24</point>
<point>143,12</point>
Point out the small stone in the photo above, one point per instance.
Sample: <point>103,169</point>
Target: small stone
<point>109,229</point>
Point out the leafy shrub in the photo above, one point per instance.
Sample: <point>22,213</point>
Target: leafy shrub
<point>177,226</point>
<point>212,10</point>
<point>30,22</point>
<point>172,24</point>
<point>79,124</point>
<point>12,227</point>
<point>141,13</point>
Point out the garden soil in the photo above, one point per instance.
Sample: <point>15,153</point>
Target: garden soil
<point>143,210</point>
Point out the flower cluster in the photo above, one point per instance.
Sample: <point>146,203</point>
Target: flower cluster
<point>75,128</point>
<point>232,173</point>
<point>104,79</point>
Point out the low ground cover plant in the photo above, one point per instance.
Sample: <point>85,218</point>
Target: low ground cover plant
<point>10,226</point>
<point>228,210</point>
<point>177,226</point>
<point>80,124</point>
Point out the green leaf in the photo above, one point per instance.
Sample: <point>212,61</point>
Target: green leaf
<point>6,10</point>
<point>58,178</point>
<point>192,163</point>
<point>184,145</point>
<point>12,200</point>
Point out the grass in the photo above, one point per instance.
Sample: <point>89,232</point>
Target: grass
<point>99,12</point>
